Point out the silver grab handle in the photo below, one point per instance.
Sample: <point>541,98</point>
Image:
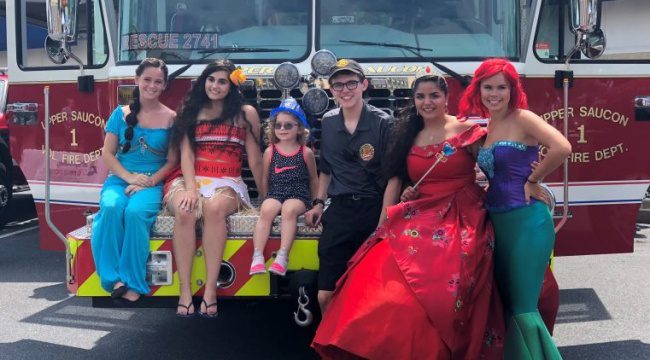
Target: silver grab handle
<point>48,217</point>
<point>642,102</point>
<point>565,166</point>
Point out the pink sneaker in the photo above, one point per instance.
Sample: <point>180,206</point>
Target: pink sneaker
<point>277,268</point>
<point>257,266</point>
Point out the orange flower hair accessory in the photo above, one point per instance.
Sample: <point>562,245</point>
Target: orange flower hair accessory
<point>237,76</point>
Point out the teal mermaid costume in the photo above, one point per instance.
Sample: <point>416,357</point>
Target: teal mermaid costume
<point>524,241</point>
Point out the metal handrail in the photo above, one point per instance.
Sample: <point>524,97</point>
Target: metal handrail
<point>565,166</point>
<point>48,217</point>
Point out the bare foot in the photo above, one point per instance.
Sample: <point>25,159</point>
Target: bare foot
<point>131,296</point>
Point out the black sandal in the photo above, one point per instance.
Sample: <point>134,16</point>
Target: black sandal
<point>118,292</point>
<point>206,314</point>
<point>187,310</point>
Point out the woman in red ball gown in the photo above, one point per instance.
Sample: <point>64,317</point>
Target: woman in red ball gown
<point>422,286</point>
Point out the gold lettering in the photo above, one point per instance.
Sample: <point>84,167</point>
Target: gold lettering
<point>85,117</point>
<point>579,157</point>
<point>92,156</point>
<point>590,112</point>
<point>581,138</point>
<point>556,114</point>
<point>598,114</point>
<point>608,152</point>
<point>605,114</point>
<point>412,68</point>
<point>71,158</point>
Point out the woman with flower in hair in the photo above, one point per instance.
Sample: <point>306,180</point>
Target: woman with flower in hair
<point>422,286</point>
<point>516,201</point>
<point>213,130</point>
<point>136,152</point>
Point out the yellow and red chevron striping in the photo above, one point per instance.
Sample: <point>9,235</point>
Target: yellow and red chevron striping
<point>238,253</point>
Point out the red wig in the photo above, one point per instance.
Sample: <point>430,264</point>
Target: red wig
<point>471,104</point>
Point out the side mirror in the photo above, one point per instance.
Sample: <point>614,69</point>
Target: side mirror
<point>62,19</point>
<point>61,31</point>
<point>585,24</point>
<point>585,16</point>
<point>56,50</point>
<point>594,44</point>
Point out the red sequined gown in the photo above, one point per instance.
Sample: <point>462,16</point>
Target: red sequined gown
<point>422,286</point>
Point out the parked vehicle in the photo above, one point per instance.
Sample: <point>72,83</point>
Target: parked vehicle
<point>608,109</point>
<point>6,163</point>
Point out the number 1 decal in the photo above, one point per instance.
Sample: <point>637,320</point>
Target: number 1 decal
<point>74,137</point>
<point>581,139</point>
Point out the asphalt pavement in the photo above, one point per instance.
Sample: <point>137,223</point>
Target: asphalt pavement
<point>605,304</point>
<point>603,314</point>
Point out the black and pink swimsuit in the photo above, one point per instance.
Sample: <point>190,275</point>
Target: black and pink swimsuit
<point>289,176</point>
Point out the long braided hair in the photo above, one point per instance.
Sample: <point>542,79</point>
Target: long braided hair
<point>134,106</point>
<point>409,123</point>
<point>196,99</point>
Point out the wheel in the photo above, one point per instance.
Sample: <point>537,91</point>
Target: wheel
<point>5,196</point>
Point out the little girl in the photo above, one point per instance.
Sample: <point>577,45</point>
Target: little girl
<point>289,182</point>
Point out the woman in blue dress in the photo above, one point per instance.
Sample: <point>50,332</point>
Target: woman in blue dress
<point>137,153</point>
<point>522,223</point>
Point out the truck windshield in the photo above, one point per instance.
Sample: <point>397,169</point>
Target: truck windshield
<point>186,31</point>
<point>453,29</point>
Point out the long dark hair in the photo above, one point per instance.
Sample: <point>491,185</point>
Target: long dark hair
<point>134,106</point>
<point>409,123</point>
<point>196,99</point>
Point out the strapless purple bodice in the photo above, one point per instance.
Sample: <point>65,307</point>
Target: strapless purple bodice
<point>507,166</point>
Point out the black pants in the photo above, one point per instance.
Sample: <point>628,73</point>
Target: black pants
<point>347,223</point>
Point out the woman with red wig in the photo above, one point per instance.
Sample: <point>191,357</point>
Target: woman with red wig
<point>516,200</point>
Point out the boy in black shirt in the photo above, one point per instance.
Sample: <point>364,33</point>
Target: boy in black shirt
<point>354,138</point>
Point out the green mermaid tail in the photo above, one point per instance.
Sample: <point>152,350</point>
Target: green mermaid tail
<point>524,240</point>
<point>528,339</point>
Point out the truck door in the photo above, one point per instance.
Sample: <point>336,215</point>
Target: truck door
<point>609,119</point>
<point>77,117</point>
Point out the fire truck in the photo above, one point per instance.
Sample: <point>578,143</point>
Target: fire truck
<point>61,94</point>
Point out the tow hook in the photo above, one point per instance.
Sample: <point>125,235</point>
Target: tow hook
<point>303,301</point>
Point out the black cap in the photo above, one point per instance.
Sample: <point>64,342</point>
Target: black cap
<point>348,65</point>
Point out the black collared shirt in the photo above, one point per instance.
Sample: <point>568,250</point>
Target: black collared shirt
<point>354,160</point>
